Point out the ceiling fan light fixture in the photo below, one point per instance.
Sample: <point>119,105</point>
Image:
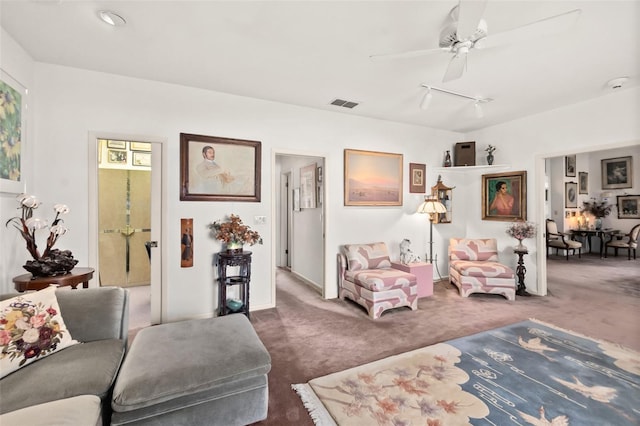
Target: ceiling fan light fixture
<point>111,18</point>
<point>478,108</point>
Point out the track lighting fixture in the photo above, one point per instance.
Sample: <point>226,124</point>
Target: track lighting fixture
<point>478,101</point>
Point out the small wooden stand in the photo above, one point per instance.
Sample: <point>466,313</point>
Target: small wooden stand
<point>521,270</point>
<point>242,279</point>
<point>76,276</point>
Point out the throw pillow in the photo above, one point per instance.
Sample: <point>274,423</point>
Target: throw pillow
<point>31,328</point>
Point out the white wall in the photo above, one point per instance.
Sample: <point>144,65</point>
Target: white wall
<point>609,122</point>
<point>70,103</point>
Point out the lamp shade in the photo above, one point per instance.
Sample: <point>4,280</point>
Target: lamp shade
<point>431,206</point>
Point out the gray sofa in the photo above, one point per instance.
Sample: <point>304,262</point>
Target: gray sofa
<point>77,378</point>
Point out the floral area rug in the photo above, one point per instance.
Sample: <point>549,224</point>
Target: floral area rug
<point>525,373</point>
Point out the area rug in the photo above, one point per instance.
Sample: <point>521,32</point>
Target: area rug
<point>525,373</point>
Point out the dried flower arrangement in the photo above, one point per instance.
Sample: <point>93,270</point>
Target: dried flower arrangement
<point>235,232</point>
<point>596,208</point>
<point>490,149</point>
<point>521,230</point>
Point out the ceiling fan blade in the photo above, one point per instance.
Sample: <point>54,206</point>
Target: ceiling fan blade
<point>456,67</point>
<point>469,15</point>
<point>544,27</point>
<point>408,54</point>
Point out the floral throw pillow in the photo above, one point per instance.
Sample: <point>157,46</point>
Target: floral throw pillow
<point>31,328</point>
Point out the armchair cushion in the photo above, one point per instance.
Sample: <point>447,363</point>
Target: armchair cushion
<point>380,279</point>
<point>484,269</point>
<point>367,256</point>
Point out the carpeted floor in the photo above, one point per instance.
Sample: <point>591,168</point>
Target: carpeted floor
<point>309,337</point>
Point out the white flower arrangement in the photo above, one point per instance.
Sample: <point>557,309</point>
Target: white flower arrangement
<point>521,230</point>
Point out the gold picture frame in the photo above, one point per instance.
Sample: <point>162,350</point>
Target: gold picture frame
<point>372,178</point>
<point>504,196</point>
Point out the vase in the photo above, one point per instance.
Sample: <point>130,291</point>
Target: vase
<point>57,262</point>
<point>447,159</point>
<point>598,223</point>
<point>520,246</point>
<point>234,247</point>
<point>489,159</point>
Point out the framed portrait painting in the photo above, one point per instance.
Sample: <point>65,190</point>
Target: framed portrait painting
<point>504,196</point>
<point>372,178</point>
<point>219,169</point>
<point>570,166</point>
<point>628,206</point>
<point>583,180</point>
<point>570,195</point>
<point>417,183</point>
<point>617,173</point>
<point>12,133</point>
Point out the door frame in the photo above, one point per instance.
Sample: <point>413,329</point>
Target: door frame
<point>158,188</point>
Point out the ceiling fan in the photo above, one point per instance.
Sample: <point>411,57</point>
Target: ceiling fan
<point>466,30</point>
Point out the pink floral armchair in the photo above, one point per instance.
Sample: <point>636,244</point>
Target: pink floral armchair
<point>474,267</point>
<point>365,276</point>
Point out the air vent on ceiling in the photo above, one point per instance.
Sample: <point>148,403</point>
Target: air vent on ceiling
<point>343,103</point>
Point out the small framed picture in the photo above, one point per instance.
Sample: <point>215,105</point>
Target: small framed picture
<point>583,180</point>
<point>570,195</point>
<point>141,159</point>
<point>617,173</point>
<point>628,206</point>
<point>570,166</point>
<point>117,144</point>
<point>417,183</point>
<point>117,157</point>
<point>140,146</point>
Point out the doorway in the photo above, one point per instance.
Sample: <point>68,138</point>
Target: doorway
<point>126,216</point>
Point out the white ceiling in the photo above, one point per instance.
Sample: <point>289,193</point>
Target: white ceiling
<point>311,52</point>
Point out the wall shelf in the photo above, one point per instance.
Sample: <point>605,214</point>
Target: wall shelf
<point>472,168</point>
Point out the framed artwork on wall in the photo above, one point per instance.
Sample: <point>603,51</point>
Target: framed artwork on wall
<point>13,133</point>
<point>140,146</point>
<point>583,180</point>
<point>617,173</point>
<point>308,187</point>
<point>219,169</point>
<point>141,159</point>
<point>417,182</point>
<point>570,166</point>
<point>116,156</point>
<point>504,196</point>
<point>372,178</point>
<point>570,195</point>
<point>628,206</point>
<point>116,144</point>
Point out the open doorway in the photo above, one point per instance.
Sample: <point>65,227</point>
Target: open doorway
<point>125,230</point>
<point>300,218</point>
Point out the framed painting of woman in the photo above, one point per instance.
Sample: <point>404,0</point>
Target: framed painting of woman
<point>504,196</point>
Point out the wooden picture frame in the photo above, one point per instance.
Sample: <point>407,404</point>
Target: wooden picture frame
<point>13,128</point>
<point>417,181</point>
<point>570,166</point>
<point>570,195</point>
<point>504,196</point>
<point>116,156</point>
<point>617,173</point>
<point>308,187</point>
<point>583,183</point>
<point>219,169</point>
<point>628,206</point>
<point>372,178</point>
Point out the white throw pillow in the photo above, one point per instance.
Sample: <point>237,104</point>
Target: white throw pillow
<point>31,328</point>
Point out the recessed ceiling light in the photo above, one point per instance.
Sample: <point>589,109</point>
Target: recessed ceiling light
<point>112,18</point>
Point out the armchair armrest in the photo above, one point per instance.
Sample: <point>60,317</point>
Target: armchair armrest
<point>342,268</point>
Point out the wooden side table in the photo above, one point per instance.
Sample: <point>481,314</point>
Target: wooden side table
<point>424,275</point>
<point>76,276</point>
<point>521,271</point>
<point>242,279</point>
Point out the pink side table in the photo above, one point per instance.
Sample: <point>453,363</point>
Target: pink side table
<point>424,275</point>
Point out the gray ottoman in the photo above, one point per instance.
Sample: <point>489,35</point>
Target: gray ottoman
<point>197,372</point>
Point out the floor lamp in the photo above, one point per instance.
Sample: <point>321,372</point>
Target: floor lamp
<point>432,207</point>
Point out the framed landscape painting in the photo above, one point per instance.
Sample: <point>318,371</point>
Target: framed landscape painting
<point>628,206</point>
<point>504,196</point>
<point>372,178</point>
<point>219,169</point>
<point>617,173</point>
